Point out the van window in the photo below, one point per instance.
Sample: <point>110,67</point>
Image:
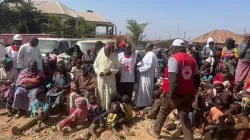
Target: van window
<point>73,43</point>
<point>63,46</point>
<point>47,46</point>
<point>85,45</point>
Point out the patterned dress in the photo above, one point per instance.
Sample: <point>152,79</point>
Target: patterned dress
<point>7,91</point>
<point>25,96</point>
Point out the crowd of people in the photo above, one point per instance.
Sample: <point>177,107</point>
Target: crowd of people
<point>187,89</point>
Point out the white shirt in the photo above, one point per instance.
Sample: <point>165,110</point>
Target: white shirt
<point>26,54</point>
<point>13,55</point>
<point>127,67</point>
<point>2,51</point>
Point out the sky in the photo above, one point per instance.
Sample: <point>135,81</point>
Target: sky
<point>195,17</point>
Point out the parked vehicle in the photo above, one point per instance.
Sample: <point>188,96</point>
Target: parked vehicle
<point>89,43</point>
<point>7,39</point>
<point>47,45</point>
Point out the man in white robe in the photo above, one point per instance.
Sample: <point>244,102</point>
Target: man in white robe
<point>2,51</point>
<point>147,73</point>
<point>29,52</point>
<point>13,50</point>
<point>106,66</point>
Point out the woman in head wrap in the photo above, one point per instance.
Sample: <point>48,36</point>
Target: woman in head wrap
<point>8,77</point>
<point>29,82</point>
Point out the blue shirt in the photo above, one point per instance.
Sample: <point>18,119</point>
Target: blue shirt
<point>37,104</point>
<point>208,77</point>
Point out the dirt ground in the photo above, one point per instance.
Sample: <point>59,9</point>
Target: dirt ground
<point>140,128</point>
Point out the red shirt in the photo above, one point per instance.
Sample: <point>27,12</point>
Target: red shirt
<point>165,86</point>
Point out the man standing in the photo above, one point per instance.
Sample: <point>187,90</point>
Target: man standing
<point>147,72</point>
<point>128,61</point>
<point>106,66</point>
<point>2,51</point>
<point>184,80</point>
<point>30,52</point>
<point>13,50</point>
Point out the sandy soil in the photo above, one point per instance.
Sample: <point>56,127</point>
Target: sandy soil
<point>140,128</point>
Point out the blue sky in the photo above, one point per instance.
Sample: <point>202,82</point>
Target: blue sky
<point>195,17</point>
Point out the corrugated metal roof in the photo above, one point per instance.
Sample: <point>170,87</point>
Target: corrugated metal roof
<point>219,37</point>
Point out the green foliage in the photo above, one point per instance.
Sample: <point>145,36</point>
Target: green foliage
<point>18,16</point>
<point>57,26</point>
<point>136,30</point>
<point>84,29</point>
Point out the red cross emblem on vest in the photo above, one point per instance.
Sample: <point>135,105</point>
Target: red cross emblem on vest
<point>127,66</point>
<point>187,72</point>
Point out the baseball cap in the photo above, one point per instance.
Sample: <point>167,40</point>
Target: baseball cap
<point>178,42</point>
<point>17,37</point>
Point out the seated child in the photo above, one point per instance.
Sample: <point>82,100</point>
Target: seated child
<point>127,107</point>
<point>153,110</point>
<point>218,92</point>
<point>94,113</point>
<point>199,108</point>
<point>76,69</point>
<point>237,91</point>
<point>213,117</point>
<point>207,79</point>
<point>233,124</point>
<point>245,103</point>
<point>79,116</point>
<point>39,113</point>
<point>112,118</point>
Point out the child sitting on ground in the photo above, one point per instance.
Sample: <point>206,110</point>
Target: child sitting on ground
<point>39,113</point>
<point>218,92</point>
<point>207,79</point>
<point>94,113</point>
<point>213,117</point>
<point>199,108</point>
<point>237,91</point>
<point>155,108</point>
<point>112,118</point>
<point>127,107</point>
<point>233,124</point>
<point>79,116</point>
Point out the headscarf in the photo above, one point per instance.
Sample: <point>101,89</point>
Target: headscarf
<point>217,82</point>
<point>5,60</point>
<point>81,103</point>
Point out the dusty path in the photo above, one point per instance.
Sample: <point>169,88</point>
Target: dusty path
<point>6,123</point>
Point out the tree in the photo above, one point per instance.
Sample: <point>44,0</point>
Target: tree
<point>19,16</point>
<point>84,29</point>
<point>136,30</point>
<point>57,26</point>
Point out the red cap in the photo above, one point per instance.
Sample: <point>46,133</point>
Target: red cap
<point>122,44</point>
<point>217,82</point>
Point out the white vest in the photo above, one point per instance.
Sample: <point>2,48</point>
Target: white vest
<point>127,67</point>
<point>13,55</point>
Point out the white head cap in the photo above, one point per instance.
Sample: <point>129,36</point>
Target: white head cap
<point>17,37</point>
<point>178,42</point>
<point>137,51</point>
